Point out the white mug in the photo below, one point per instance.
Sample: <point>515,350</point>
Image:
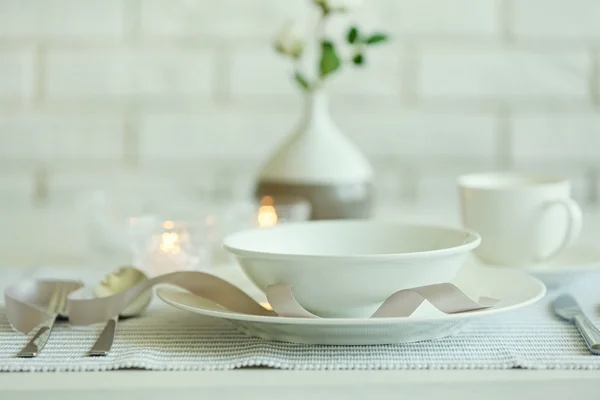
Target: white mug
<point>522,219</point>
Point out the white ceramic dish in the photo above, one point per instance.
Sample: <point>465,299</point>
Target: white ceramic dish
<point>514,289</point>
<point>575,263</point>
<point>349,268</point>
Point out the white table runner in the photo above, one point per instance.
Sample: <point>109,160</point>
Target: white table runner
<point>170,339</point>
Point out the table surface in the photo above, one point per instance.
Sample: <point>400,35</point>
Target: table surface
<point>258,383</point>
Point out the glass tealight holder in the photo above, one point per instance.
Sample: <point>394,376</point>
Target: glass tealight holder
<point>275,210</point>
<point>161,247</point>
<point>113,216</point>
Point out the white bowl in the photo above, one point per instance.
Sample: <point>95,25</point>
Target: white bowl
<point>348,268</point>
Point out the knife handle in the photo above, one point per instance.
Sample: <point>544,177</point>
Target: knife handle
<point>590,333</point>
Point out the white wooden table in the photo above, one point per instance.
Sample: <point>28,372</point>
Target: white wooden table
<point>290,385</point>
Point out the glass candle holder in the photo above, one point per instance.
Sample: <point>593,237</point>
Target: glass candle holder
<point>162,247</point>
<point>114,214</point>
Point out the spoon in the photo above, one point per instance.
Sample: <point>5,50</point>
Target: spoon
<point>116,282</point>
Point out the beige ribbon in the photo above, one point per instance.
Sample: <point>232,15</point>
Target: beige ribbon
<point>27,303</point>
<point>444,296</point>
<point>26,308</point>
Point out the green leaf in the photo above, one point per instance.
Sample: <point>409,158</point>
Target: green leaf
<point>301,80</point>
<point>358,59</point>
<point>352,35</point>
<point>330,61</point>
<point>376,38</point>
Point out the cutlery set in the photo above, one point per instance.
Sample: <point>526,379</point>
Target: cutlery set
<point>118,281</point>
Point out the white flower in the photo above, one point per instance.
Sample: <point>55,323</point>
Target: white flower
<point>289,40</point>
<point>338,5</point>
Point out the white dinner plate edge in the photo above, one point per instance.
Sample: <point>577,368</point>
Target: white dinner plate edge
<point>163,295</point>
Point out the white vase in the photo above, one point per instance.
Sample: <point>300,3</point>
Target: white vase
<point>319,163</point>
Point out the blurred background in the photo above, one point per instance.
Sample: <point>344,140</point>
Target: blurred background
<point>179,101</point>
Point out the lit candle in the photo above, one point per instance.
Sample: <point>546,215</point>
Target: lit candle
<point>169,250</point>
<point>267,215</point>
<point>169,243</point>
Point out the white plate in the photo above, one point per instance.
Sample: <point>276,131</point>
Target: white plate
<point>515,289</point>
<point>574,263</point>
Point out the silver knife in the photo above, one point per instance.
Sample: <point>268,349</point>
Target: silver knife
<point>105,340</point>
<point>566,307</point>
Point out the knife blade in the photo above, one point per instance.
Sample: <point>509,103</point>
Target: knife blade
<point>106,338</point>
<point>566,307</point>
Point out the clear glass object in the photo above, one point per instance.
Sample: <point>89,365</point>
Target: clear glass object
<point>161,247</point>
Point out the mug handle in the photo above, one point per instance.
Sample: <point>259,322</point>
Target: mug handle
<point>574,224</point>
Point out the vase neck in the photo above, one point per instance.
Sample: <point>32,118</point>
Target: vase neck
<point>316,111</point>
<point>317,100</point>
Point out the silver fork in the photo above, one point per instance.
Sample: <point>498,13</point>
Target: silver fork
<point>57,306</point>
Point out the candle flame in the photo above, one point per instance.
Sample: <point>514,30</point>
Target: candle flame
<point>266,305</point>
<point>170,243</point>
<point>267,216</point>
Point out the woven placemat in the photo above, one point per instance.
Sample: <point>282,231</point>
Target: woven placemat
<point>169,339</point>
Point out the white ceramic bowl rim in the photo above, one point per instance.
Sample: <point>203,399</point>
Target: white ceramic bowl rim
<point>471,240</point>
